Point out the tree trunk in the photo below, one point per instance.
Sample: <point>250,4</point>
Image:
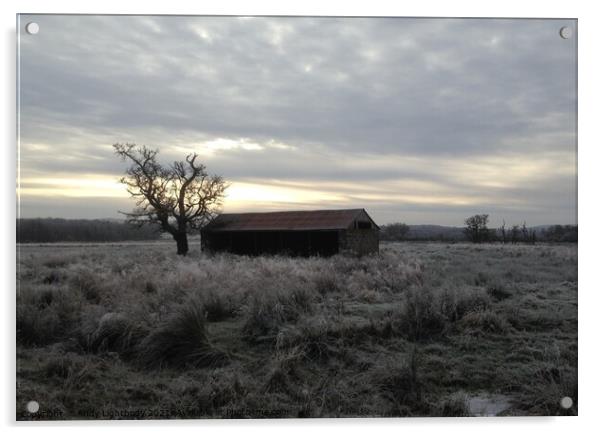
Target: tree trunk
<point>182,242</point>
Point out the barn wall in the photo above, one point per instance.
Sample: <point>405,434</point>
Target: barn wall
<point>359,241</point>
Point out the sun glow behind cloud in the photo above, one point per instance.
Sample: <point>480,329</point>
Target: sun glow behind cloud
<point>473,181</point>
<point>214,146</point>
<point>83,186</point>
<point>244,195</point>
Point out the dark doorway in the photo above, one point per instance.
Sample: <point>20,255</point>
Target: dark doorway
<point>297,243</point>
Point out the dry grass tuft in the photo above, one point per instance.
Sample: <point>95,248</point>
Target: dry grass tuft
<point>483,322</point>
<point>117,333</point>
<point>421,317</point>
<point>402,386</point>
<point>269,311</point>
<point>88,284</point>
<point>181,341</point>
<point>218,307</point>
<point>45,315</point>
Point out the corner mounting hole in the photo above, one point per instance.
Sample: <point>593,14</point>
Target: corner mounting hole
<point>566,32</point>
<point>32,406</point>
<point>32,28</point>
<point>566,402</point>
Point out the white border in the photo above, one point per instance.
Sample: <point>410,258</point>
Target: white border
<point>589,208</point>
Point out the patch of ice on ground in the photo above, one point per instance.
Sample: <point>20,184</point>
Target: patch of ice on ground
<point>488,405</point>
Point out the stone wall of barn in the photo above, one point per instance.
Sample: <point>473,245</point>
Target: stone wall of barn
<point>359,241</point>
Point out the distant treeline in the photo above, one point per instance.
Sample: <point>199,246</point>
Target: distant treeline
<point>400,231</point>
<point>560,233</point>
<point>80,230</point>
<point>514,234</point>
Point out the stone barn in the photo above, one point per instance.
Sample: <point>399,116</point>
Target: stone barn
<point>297,233</point>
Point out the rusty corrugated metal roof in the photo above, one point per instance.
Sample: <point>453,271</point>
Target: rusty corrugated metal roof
<point>285,220</point>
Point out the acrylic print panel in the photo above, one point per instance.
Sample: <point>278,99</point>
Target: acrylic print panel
<point>280,217</point>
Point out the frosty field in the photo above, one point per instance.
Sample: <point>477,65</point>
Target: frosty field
<point>422,329</point>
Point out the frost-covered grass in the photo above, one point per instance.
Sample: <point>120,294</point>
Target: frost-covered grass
<point>130,331</point>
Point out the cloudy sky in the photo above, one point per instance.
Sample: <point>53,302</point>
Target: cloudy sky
<point>416,120</point>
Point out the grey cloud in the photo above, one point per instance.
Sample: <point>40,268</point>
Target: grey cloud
<point>403,87</point>
<point>238,84</point>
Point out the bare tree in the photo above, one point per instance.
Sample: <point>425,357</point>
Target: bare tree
<point>179,197</point>
<point>514,233</point>
<point>476,228</point>
<point>532,236</point>
<point>525,232</point>
<point>503,232</point>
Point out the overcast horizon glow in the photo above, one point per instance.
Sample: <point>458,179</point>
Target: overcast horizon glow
<point>423,121</point>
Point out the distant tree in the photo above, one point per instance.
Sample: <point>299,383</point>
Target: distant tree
<point>561,233</point>
<point>503,232</point>
<point>532,236</point>
<point>394,232</point>
<point>179,197</point>
<point>570,234</point>
<point>528,235</point>
<point>514,234</point>
<point>476,228</point>
<point>491,235</point>
<point>525,232</point>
